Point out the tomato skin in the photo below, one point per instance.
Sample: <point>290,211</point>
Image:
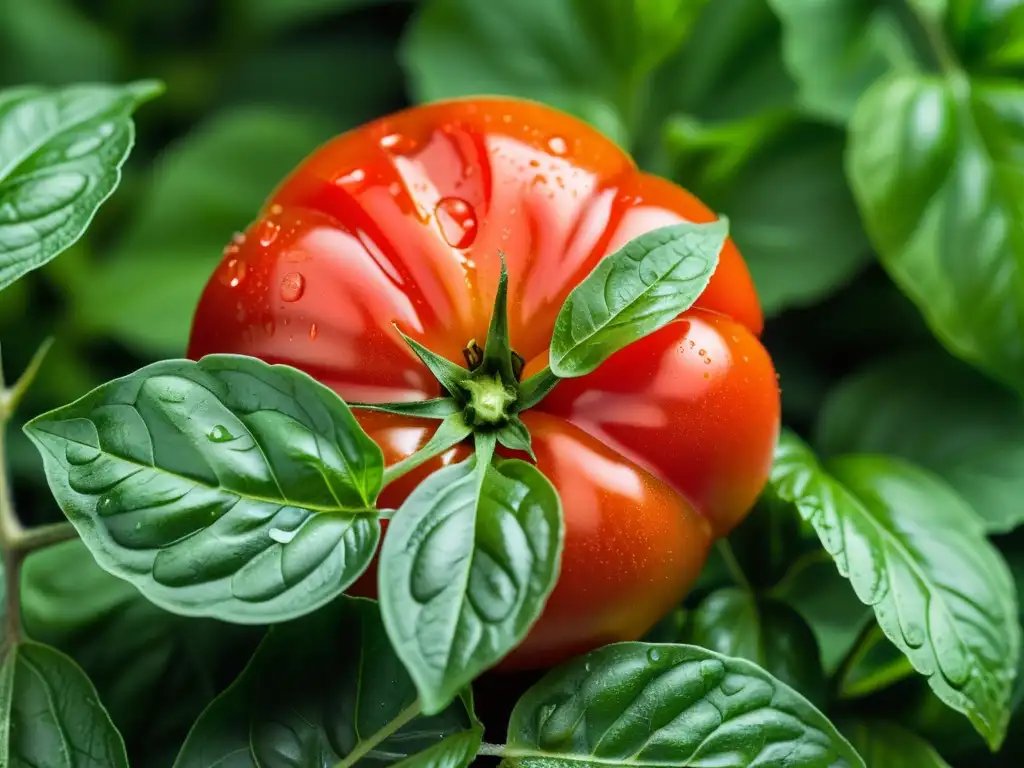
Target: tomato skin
<point>632,548</point>
<point>399,222</point>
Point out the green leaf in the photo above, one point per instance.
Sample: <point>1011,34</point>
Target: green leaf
<point>465,570</point>
<point>225,487</point>
<point>50,714</point>
<point>435,408</point>
<point>875,664</point>
<point>916,553</point>
<point>275,17</point>
<point>553,51</point>
<point>733,622</point>
<point>883,744</point>
<point>129,647</point>
<point>935,167</point>
<point>634,292</point>
<point>323,690</point>
<point>497,349</point>
<point>836,50</point>
<point>669,706</point>
<point>535,389</point>
<point>515,436</point>
<point>204,187</point>
<point>932,410</point>
<point>61,152</point>
<point>449,433</point>
<point>448,374</point>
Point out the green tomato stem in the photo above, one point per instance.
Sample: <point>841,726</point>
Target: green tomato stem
<point>363,747</point>
<point>489,400</point>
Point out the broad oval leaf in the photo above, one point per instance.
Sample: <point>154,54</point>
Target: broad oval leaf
<point>61,152</point>
<point>669,706</point>
<point>916,553</point>
<point>465,570</point>
<point>883,744</point>
<point>734,622</point>
<point>327,690</point>
<point>634,292</point>
<point>50,714</point>
<point>935,168</point>
<point>939,413</point>
<point>225,487</point>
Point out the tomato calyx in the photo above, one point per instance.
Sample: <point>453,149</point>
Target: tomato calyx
<point>489,401</point>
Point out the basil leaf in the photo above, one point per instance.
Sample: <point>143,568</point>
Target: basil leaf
<point>225,487</point>
<point>465,569</point>
<point>634,292</point>
<point>916,553</point>
<point>835,51</point>
<point>669,706</point>
<point>50,714</point>
<point>937,412</point>
<point>934,166</point>
<point>733,622</point>
<point>327,689</point>
<point>883,744</point>
<point>61,152</point>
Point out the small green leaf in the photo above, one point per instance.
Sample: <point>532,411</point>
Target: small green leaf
<point>435,408</point>
<point>935,168</point>
<point>535,389</point>
<point>515,436</point>
<point>449,433</point>
<point>916,553</point>
<point>733,622</point>
<point>498,349</point>
<point>50,714</point>
<point>465,570</point>
<point>836,50</point>
<point>61,152</point>
<point>327,690</point>
<point>939,413</point>
<point>634,292</point>
<point>669,706</point>
<point>883,744</point>
<point>225,487</point>
<point>450,375</point>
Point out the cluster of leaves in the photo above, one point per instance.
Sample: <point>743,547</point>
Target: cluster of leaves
<point>868,158</point>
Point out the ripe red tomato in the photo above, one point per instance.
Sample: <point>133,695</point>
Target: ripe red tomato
<point>659,451</point>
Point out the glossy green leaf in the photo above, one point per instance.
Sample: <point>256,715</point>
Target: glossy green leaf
<point>449,433</point>
<point>465,569</point>
<point>536,388</point>
<point>515,436</point>
<point>935,167</point>
<point>587,57</point>
<point>275,17</point>
<point>873,665</point>
<point>634,292</point>
<point>669,706</point>
<point>435,408</point>
<point>50,714</point>
<point>130,647</point>
<point>205,186</point>
<point>225,487</point>
<point>916,553</point>
<point>448,374</point>
<point>883,745</point>
<point>836,50</point>
<point>733,622</point>
<point>935,411</point>
<point>61,152</point>
<point>327,690</point>
<point>498,349</point>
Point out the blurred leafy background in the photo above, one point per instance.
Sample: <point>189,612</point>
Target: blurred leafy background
<point>747,103</point>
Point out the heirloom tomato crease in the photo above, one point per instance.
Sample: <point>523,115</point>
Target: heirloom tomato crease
<point>399,223</point>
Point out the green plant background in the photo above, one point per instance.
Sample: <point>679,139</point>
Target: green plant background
<point>895,307</point>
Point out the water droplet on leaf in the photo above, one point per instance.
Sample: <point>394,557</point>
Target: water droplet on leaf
<point>654,655</point>
<point>220,434</point>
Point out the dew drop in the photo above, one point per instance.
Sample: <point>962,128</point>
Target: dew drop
<point>399,144</point>
<point>557,145</point>
<point>138,525</point>
<point>276,210</point>
<point>312,332</point>
<point>238,238</point>
<point>351,178</point>
<point>233,272</point>
<point>293,285</point>
<point>219,434</point>
<point>457,221</point>
<point>395,188</point>
<point>107,129</point>
<point>702,352</point>
<point>707,375</point>
<point>268,325</point>
<point>281,537</point>
<point>268,232</point>
<point>707,361</point>
<point>654,655</point>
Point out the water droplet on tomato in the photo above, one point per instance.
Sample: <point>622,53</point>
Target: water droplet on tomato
<point>238,238</point>
<point>354,177</point>
<point>233,272</point>
<point>268,232</point>
<point>395,188</point>
<point>707,361</point>
<point>457,221</point>
<point>268,325</point>
<point>312,332</point>
<point>292,287</point>
<point>557,145</point>
<point>276,210</point>
<point>220,434</point>
<point>707,375</point>
<point>702,352</point>
<point>399,144</point>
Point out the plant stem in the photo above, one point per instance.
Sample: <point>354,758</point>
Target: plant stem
<point>12,611</point>
<point>44,536</point>
<point>363,747</point>
<point>452,431</point>
<point>491,750</point>
<point>733,565</point>
<point>801,564</point>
